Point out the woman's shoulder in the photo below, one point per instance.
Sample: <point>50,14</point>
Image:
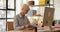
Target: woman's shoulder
<point>16,16</point>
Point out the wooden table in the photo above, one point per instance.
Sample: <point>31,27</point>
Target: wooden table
<point>56,30</point>
<point>48,30</point>
<point>25,30</point>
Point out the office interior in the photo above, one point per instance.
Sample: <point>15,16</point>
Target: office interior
<point>11,8</point>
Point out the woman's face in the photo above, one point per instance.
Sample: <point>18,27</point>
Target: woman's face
<point>25,10</point>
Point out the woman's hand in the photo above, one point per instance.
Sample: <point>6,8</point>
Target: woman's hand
<point>26,26</point>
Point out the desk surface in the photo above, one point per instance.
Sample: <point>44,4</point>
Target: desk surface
<point>44,30</point>
<point>25,30</point>
<point>38,30</point>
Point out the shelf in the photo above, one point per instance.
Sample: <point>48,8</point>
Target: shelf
<point>43,5</point>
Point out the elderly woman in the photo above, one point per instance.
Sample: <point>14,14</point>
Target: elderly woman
<point>20,20</point>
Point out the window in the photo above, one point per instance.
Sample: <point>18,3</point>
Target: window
<point>11,4</point>
<point>2,4</point>
<point>2,25</point>
<point>2,15</point>
<point>7,11</point>
<point>10,14</point>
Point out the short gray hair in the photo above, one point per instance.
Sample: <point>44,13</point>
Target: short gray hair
<point>25,5</point>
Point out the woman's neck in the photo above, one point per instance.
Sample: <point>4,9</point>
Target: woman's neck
<point>22,14</point>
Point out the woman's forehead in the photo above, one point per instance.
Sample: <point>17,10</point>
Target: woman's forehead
<point>25,6</point>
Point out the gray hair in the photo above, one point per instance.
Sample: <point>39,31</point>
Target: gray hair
<point>25,5</point>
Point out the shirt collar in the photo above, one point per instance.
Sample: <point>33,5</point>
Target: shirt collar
<point>20,15</point>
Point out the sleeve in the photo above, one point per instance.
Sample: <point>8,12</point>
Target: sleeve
<point>16,26</point>
<point>34,12</point>
<point>28,22</point>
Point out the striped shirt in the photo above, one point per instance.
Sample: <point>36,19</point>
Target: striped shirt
<point>20,21</point>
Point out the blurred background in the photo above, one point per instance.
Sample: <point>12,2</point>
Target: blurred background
<point>10,8</point>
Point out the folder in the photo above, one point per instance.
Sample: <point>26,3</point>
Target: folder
<point>48,16</point>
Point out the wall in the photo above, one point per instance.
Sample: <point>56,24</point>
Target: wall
<point>57,9</point>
